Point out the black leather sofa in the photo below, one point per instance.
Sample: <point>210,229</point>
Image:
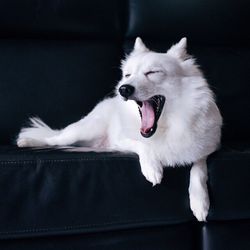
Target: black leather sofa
<point>57,59</point>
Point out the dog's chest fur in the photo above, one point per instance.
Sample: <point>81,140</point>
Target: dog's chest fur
<point>174,143</point>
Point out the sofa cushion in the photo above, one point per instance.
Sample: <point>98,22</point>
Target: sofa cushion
<point>51,192</point>
<point>179,236</point>
<point>203,22</point>
<point>58,80</point>
<point>229,183</point>
<point>60,19</point>
<point>228,235</point>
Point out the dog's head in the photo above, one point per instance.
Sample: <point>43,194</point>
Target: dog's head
<point>153,80</point>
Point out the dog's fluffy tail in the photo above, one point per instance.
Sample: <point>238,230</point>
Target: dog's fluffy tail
<point>35,135</point>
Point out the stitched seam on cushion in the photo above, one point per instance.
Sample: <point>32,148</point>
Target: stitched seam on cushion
<point>228,159</point>
<point>6,162</point>
<point>66,228</point>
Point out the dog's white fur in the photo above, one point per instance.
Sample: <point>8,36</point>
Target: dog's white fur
<point>189,128</point>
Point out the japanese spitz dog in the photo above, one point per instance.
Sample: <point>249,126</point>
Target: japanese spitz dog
<point>164,111</point>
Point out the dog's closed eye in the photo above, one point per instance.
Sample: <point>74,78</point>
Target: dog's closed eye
<point>127,75</point>
<point>151,72</point>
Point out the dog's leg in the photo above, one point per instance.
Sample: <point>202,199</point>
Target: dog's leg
<point>198,193</point>
<point>90,128</point>
<point>73,133</point>
<point>151,167</point>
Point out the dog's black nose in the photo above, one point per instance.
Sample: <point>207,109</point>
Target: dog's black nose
<point>126,90</point>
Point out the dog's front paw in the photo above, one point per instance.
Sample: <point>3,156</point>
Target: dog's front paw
<point>199,206</point>
<point>152,170</point>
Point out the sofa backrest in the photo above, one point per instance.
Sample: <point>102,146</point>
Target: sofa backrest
<point>59,58</point>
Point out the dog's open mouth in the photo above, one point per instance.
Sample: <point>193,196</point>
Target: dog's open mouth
<point>150,112</point>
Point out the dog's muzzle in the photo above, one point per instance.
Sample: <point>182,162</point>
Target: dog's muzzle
<point>150,110</point>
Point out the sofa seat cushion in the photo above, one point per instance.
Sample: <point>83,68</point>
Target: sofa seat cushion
<point>228,235</point>
<point>55,192</point>
<point>52,192</point>
<point>179,236</point>
<point>229,183</point>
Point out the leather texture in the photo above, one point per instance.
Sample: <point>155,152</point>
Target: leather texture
<point>97,192</point>
<point>180,237</point>
<point>228,184</point>
<point>57,60</point>
<point>60,19</point>
<point>228,235</point>
<point>203,22</point>
<point>59,78</point>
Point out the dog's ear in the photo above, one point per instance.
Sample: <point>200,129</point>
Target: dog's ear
<point>178,50</point>
<point>139,45</point>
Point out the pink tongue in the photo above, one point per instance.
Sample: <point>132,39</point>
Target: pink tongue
<point>148,117</point>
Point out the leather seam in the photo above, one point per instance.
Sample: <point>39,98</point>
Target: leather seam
<point>95,225</point>
<point>63,160</point>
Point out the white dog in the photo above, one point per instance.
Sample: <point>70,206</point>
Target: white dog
<point>178,122</point>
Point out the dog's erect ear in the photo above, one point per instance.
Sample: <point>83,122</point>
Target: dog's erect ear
<point>178,50</point>
<point>139,45</point>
